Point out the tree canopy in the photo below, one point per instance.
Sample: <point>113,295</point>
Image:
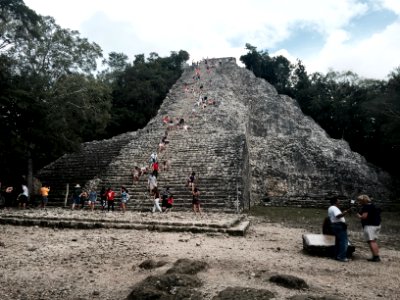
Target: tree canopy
<point>51,99</point>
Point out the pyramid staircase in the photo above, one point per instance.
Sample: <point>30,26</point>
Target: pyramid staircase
<point>208,147</point>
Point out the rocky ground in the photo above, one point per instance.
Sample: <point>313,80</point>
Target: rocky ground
<point>51,263</point>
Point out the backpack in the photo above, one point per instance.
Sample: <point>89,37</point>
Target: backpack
<point>326,226</point>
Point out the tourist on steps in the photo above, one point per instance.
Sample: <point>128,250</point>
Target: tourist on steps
<point>124,198</point>
<point>153,158</point>
<point>135,174</point>
<point>170,202</point>
<point>76,195</point>
<point>138,172</point>
<point>191,180</point>
<point>110,195</point>
<point>155,167</point>
<point>103,198</point>
<point>151,183</point>
<point>44,193</point>
<point>84,197</point>
<point>92,199</point>
<point>196,201</point>
<point>166,164</point>
<point>164,201</point>
<point>156,201</point>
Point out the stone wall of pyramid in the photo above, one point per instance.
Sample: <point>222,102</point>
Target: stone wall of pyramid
<point>246,143</point>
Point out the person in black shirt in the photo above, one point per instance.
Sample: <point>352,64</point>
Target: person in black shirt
<point>371,222</point>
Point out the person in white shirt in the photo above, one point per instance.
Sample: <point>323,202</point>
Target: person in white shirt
<point>23,197</point>
<point>339,229</point>
<point>151,183</point>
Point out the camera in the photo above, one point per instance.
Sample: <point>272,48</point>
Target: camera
<point>352,205</point>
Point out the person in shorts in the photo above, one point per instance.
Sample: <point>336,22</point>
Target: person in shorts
<point>124,198</point>
<point>44,193</point>
<point>370,218</point>
<point>76,196</point>
<point>92,199</point>
<point>196,201</point>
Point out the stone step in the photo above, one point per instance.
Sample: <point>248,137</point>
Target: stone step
<point>180,222</point>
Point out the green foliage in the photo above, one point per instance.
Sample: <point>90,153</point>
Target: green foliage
<point>49,101</point>
<point>17,23</point>
<point>276,70</point>
<point>57,52</point>
<point>140,88</point>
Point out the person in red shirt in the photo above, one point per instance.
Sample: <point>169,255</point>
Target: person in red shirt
<point>110,195</point>
<point>155,168</point>
<point>170,202</point>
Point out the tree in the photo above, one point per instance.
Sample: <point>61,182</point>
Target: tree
<point>139,90</point>
<point>383,111</point>
<point>276,70</point>
<point>18,23</point>
<point>50,87</point>
<point>116,65</point>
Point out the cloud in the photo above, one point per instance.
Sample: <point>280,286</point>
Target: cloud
<point>372,57</point>
<point>222,28</point>
<point>393,5</point>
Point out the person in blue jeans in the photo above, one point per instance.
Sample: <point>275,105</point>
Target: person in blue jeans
<point>339,229</point>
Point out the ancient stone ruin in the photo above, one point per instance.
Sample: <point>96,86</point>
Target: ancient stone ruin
<point>250,146</point>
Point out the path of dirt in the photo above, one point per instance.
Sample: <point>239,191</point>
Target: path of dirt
<point>46,263</point>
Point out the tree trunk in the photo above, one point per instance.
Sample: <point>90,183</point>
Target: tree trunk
<point>30,176</point>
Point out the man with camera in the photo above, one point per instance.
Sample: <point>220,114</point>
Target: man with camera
<point>370,217</point>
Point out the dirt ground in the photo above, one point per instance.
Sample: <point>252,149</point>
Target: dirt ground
<point>48,263</point>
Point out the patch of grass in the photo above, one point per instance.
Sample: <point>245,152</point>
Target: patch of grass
<point>307,218</point>
<point>312,218</point>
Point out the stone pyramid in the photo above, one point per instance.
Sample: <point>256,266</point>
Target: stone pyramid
<point>247,145</point>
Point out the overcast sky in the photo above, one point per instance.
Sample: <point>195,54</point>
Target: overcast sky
<point>358,35</point>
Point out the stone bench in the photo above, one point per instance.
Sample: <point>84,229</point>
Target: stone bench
<point>322,245</point>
